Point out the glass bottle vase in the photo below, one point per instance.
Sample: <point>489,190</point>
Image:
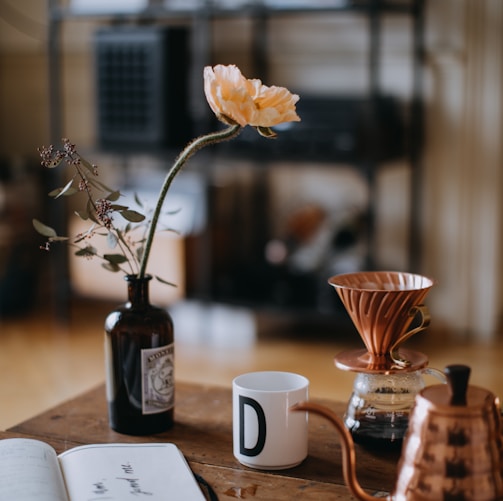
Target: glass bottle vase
<point>139,359</point>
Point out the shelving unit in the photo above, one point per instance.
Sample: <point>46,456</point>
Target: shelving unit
<point>199,16</point>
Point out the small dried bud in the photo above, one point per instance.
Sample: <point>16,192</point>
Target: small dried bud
<point>50,157</point>
<point>104,212</point>
<point>69,147</point>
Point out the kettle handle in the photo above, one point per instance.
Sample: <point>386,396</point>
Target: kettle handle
<point>347,445</point>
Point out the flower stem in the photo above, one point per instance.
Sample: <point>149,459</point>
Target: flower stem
<point>189,150</point>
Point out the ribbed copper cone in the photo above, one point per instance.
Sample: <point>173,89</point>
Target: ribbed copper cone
<point>380,304</point>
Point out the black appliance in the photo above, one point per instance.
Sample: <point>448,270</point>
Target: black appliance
<point>142,87</point>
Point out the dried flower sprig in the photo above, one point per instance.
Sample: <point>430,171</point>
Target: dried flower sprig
<point>99,209</point>
<point>235,100</point>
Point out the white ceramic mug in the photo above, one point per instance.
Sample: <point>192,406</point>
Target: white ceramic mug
<point>266,434</point>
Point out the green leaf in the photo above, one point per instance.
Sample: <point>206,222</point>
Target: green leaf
<point>139,252</point>
<point>99,185</point>
<point>43,229</point>
<point>119,208</point>
<point>172,212</point>
<point>90,212</point>
<point>111,267</point>
<point>132,215</point>
<point>112,240</point>
<point>165,281</point>
<point>115,195</point>
<point>82,214</point>
<point>87,165</point>
<point>115,258</point>
<point>66,190</point>
<point>87,251</point>
<point>169,230</point>
<point>138,200</point>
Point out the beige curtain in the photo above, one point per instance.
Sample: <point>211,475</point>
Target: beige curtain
<point>463,183</point>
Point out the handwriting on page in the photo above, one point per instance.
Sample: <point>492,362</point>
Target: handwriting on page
<point>102,490</point>
<point>128,472</point>
<point>30,470</point>
<point>134,483</point>
<point>111,473</point>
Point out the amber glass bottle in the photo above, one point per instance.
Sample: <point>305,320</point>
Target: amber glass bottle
<point>139,356</point>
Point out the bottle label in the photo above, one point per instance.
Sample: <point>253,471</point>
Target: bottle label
<point>158,385</point>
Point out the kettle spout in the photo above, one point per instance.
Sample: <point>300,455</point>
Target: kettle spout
<point>347,444</point>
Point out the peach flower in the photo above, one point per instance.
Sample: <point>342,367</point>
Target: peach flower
<point>235,99</point>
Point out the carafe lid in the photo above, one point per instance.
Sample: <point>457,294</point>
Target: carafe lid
<point>457,398</point>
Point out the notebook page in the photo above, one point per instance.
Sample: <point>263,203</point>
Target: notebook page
<point>123,472</point>
<point>29,471</point>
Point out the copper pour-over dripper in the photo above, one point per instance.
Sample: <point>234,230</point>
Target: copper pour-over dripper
<point>382,306</point>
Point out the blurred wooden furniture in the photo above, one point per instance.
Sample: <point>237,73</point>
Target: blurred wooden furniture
<point>203,432</point>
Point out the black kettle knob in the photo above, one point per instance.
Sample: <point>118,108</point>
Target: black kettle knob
<point>457,382</point>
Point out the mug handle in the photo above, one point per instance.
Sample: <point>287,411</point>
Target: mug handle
<point>423,311</point>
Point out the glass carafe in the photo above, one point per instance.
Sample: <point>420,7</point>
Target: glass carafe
<point>378,410</point>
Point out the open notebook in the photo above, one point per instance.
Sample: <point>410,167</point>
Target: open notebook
<point>30,470</point>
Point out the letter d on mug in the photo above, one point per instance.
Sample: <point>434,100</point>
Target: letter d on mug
<point>266,434</point>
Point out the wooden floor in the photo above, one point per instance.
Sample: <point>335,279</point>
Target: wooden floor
<point>44,362</point>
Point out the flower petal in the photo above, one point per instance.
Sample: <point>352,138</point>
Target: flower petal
<point>275,105</point>
<point>226,93</point>
<point>247,101</point>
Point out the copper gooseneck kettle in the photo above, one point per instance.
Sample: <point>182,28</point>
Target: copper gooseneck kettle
<point>452,450</point>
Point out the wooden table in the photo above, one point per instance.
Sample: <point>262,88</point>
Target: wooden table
<point>203,432</point>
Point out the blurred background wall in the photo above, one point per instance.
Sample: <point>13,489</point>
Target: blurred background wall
<point>460,209</point>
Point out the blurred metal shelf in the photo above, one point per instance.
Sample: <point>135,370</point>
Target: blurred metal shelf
<point>198,16</point>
